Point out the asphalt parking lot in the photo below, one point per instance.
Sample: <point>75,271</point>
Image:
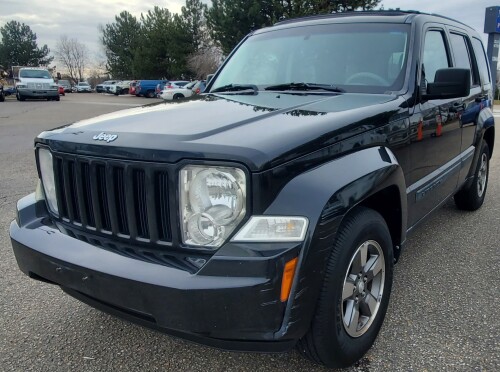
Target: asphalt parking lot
<point>443,315</point>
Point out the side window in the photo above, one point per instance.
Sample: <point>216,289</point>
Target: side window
<point>435,56</point>
<point>462,56</point>
<point>481,61</point>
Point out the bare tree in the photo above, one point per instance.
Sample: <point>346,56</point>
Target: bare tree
<point>205,61</point>
<point>73,55</point>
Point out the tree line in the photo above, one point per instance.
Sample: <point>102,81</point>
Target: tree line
<point>160,43</point>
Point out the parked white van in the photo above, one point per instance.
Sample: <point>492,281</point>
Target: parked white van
<point>35,82</point>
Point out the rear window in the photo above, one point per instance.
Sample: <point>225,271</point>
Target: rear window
<point>462,56</point>
<point>484,71</point>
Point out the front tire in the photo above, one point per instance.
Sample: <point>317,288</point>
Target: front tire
<point>471,198</point>
<point>355,292</point>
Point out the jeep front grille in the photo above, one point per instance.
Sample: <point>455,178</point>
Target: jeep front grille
<point>122,199</point>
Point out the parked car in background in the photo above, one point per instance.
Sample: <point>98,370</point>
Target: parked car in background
<point>173,94</point>
<point>132,87</point>
<point>61,90</point>
<point>66,85</point>
<point>199,87</point>
<point>8,91</point>
<point>35,82</point>
<point>100,88</point>
<point>170,85</point>
<point>120,87</point>
<point>83,87</point>
<point>147,88</point>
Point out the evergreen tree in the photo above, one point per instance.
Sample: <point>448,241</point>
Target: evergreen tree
<point>193,15</point>
<point>121,41</point>
<point>230,20</point>
<point>19,46</point>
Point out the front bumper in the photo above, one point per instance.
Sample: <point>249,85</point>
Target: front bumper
<point>38,92</point>
<point>232,302</point>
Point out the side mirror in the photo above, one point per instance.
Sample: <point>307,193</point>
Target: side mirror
<point>449,83</point>
<point>209,77</point>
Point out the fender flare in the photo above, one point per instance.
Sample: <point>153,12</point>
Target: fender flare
<point>325,195</point>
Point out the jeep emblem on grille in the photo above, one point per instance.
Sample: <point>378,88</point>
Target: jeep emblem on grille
<point>105,137</point>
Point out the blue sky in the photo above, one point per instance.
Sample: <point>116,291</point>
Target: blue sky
<point>80,19</point>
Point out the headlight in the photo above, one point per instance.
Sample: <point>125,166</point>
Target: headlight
<point>21,86</point>
<point>48,181</point>
<point>273,229</point>
<point>213,203</point>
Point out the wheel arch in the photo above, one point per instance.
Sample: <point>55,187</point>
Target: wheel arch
<point>489,137</point>
<point>387,202</point>
<point>370,177</point>
<point>485,129</point>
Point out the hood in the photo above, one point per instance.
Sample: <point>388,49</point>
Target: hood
<point>26,80</point>
<point>260,130</point>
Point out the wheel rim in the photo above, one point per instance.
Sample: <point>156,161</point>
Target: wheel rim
<point>482,175</point>
<point>363,288</point>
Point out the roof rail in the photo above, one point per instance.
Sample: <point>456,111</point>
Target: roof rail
<point>389,12</point>
<point>376,12</point>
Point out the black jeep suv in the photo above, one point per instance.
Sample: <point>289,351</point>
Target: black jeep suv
<point>276,219</point>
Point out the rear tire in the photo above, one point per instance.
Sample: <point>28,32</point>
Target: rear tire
<point>150,94</point>
<point>2,97</point>
<point>471,198</point>
<point>355,293</point>
<point>177,96</point>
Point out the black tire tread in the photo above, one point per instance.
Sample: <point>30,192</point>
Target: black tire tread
<point>308,345</point>
<point>467,199</point>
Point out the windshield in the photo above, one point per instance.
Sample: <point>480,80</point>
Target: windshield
<point>358,57</point>
<point>35,74</point>
<point>83,84</point>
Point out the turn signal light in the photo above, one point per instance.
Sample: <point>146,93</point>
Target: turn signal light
<point>287,280</point>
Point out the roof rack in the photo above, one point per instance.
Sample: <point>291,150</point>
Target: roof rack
<point>390,12</point>
<point>376,12</point>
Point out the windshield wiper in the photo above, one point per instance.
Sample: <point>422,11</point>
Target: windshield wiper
<point>305,86</point>
<point>235,88</point>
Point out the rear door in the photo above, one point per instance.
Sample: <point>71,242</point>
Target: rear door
<point>464,57</point>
